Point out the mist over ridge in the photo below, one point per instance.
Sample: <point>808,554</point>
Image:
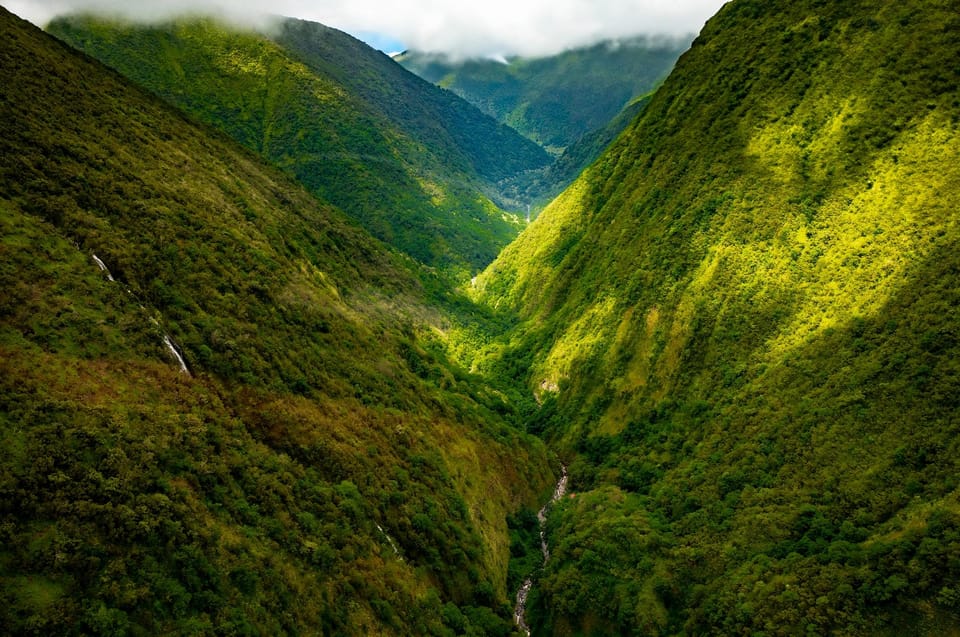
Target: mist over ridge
<point>463,30</point>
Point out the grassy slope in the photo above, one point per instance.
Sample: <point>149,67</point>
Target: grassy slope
<point>742,321</point>
<point>411,181</point>
<point>248,496</point>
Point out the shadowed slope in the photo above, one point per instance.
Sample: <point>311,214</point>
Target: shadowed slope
<point>317,470</point>
<point>574,103</point>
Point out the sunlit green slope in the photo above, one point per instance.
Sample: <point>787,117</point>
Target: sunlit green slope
<point>438,119</point>
<point>317,470</point>
<point>407,160</point>
<point>744,325</point>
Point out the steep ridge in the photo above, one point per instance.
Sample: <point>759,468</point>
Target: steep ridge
<point>742,323</point>
<point>321,469</point>
<point>404,158</point>
<point>444,123</point>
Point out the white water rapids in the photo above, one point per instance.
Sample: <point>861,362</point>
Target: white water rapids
<point>173,350</point>
<point>524,592</point>
<point>390,541</point>
<point>103,267</point>
<point>166,338</point>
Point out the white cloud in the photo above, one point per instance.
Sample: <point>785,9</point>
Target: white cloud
<point>488,27</point>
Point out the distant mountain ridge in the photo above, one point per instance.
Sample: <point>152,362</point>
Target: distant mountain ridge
<point>403,157</point>
<point>574,103</point>
<point>555,100</point>
<point>493,151</point>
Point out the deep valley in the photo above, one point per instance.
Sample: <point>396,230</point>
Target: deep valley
<point>282,353</point>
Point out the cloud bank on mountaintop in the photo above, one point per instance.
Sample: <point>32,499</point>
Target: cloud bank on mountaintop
<point>497,27</point>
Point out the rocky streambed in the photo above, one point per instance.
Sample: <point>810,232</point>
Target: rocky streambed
<point>520,609</point>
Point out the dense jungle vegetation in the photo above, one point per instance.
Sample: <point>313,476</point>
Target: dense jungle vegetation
<point>321,468</point>
<point>415,165</point>
<point>742,323</point>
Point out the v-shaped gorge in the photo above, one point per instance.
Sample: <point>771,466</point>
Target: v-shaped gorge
<point>417,166</point>
<point>738,328</point>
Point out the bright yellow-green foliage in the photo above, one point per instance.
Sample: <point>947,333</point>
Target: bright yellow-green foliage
<point>742,323</point>
<point>320,470</point>
<point>406,160</point>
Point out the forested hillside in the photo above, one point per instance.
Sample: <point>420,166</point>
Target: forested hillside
<point>743,324</point>
<point>223,407</point>
<point>441,120</point>
<point>415,165</point>
<point>227,409</point>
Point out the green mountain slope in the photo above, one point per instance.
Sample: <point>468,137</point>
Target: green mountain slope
<point>437,118</point>
<point>742,323</point>
<point>318,469</point>
<point>555,100</point>
<point>402,157</point>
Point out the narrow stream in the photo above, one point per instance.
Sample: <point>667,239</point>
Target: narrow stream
<point>103,267</point>
<point>522,594</point>
<point>390,541</point>
<point>176,353</point>
<point>167,341</point>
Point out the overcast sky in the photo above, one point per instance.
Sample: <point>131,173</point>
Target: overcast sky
<point>465,28</point>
